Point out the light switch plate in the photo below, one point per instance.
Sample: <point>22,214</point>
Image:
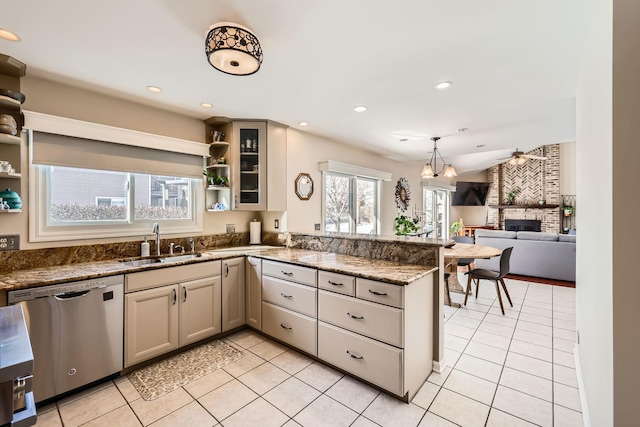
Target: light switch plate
<point>276,223</point>
<point>317,227</point>
<point>231,228</point>
<point>10,242</point>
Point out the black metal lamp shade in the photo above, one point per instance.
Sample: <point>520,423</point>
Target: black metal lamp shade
<point>233,49</point>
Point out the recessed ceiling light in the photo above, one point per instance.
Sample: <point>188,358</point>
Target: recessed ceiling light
<point>463,129</point>
<point>154,89</point>
<point>360,108</point>
<point>443,85</point>
<point>303,124</point>
<point>8,35</point>
<point>206,105</point>
<point>480,145</point>
<point>404,139</point>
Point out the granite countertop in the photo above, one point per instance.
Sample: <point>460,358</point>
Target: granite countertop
<point>387,271</point>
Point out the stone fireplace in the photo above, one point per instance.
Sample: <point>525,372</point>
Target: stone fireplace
<point>522,225</point>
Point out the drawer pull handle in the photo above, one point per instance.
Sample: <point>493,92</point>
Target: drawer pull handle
<point>334,283</point>
<point>380,294</point>
<point>285,327</point>
<point>286,296</point>
<point>286,273</point>
<point>354,355</point>
<point>355,317</point>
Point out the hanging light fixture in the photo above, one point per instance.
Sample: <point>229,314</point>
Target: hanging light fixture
<point>233,49</point>
<point>430,170</point>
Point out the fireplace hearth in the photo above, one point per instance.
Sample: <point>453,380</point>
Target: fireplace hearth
<point>522,225</point>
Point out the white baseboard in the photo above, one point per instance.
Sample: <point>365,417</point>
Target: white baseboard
<point>439,366</point>
<point>583,397</point>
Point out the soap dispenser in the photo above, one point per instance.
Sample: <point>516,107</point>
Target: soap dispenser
<point>144,248</point>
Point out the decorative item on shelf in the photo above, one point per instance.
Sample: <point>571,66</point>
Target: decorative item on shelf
<point>568,210</point>
<point>511,196</point>
<point>541,202</point>
<point>403,194</point>
<point>13,94</point>
<point>8,124</point>
<point>303,186</point>
<point>405,225</point>
<point>217,136</point>
<point>216,180</point>
<point>233,49</point>
<point>221,161</point>
<point>12,198</point>
<point>5,166</point>
<point>431,170</point>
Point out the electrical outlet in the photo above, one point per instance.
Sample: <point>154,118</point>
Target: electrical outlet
<point>276,223</point>
<point>10,242</point>
<point>317,227</point>
<point>231,228</point>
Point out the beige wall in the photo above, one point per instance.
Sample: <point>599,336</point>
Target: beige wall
<point>594,252</point>
<point>568,168</point>
<point>471,215</point>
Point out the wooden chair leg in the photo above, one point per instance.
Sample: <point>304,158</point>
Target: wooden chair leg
<point>504,286</point>
<point>466,294</point>
<point>446,289</point>
<point>499,297</point>
<point>477,287</point>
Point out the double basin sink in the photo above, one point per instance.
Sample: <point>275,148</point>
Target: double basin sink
<point>167,259</point>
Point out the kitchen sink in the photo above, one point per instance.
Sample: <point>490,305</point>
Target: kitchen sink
<point>168,259</point>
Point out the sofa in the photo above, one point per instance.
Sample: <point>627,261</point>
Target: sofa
<point>546,255</point>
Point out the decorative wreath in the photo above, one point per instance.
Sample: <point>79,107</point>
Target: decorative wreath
<point>403,194</point>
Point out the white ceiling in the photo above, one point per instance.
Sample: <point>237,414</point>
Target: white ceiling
<point>514,65</point>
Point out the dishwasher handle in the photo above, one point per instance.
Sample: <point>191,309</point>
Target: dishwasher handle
<point>71,295</point>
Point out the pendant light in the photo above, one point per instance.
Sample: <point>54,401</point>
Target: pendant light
<point>430,169</point>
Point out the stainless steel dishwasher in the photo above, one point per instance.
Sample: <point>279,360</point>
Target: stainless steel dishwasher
<point>76,331</point>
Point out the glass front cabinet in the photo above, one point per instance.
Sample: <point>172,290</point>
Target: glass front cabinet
<point>249,150</point>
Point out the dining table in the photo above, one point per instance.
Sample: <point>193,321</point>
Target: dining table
<point>459,251</point>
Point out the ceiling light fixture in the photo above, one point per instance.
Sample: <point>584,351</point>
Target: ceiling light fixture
<point>206,105</point>
<point>233,49</point>
<point>303,124</point>
<point>430,170</point>
<point>463,129</point>
<point>154,89</point>
<point>9,35</point>
<point>443,85</point>
<point>480,145</point>
<point>360,108</point>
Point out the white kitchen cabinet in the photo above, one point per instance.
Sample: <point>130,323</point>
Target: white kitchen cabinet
<point>233,293</point>
<point>249,152</point>
<point>200,309</point>
<point>253,289</point>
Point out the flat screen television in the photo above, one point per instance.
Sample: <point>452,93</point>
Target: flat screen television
<point>470,193</point>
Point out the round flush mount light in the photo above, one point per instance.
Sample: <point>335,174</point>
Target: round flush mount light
<point>9,35</point>
<point>360,108</point>
<point>206,105</point>
<point>480,145</point>
<point>154,89</point>
<point>233,49</point>
<point>303,124</point>
<point>444,85</point>
<point>463,129</point>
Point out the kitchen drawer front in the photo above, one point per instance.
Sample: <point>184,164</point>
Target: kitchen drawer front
<point>289,295</point>
<point>296,329</point>
<point>368,359</point>
<point>384,293</point>
<point>373,320</point>
<point>170,275</point>
<point>294,273</point>
<point>335,282</point>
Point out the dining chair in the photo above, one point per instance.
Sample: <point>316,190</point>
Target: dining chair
<point>465,262</point>
<point>478,274</point>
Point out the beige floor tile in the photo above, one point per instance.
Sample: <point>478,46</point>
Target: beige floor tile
<point>533,338</point>
<point>563,345</point>
<point>432,420</point>
<point>227,399</point>
<point>319,376</point>
<point>47,408</point>
<point>501,419</point>
<point>492,328</point>
<point>530,365</point>
<point>564,375</point>
<point>479,367</point>
<point>467,322</point>
<point>424,397</point>
<point>263,378</point>
<point>291,423</point>
<point>562,306</point>
<point>121,417</point>
<point>241,366</point>
<point>127,389</point>
<point>363,422</point>
<point>566,396</point>
<point>491,339</point>
<point>535,328</point>
<point>292,396</point>
<point>472,305</point>
<point>564,359</point>
<point>268,349</point>
<point>152,410</point>
<point>459,409</point>
<point>486,352</point>
<point>500,320</point>
<point>564,334</point>
<point>326,412</point>
<point>291,361</point>
<point>465,312</point>
<point>209,382</point>
<point>536,311</point>
<point>471,386</point>
<point>537,304</point>
<point>563,417</point>
<point>192,414</point>
<point>531,350</point>
<point>386,411</point>
<point>81,410</point>
<point>451,329</point>
<point>352,393</point>
<point>524,406</point>
<point>547,321</point>
<point>455,343</point>
<point>259,412</point>
<point>527,383</point>
<point>246,338</point>
<point>510,312</point>
<point>83,394</point>
<point>564,324</point>
<point>49,419</point>
<point>451,356</point>
<point>439,378</point>
<point>557,315</point>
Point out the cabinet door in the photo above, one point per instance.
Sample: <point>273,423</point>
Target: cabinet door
<point>249,160</point>
<point>233,294</point>
<point>253,288</point>
<point>200,309</point>
<point>151,323</point>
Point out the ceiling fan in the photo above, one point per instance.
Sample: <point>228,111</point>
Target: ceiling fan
<point>519,157</point>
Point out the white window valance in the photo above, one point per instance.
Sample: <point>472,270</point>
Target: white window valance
<point>333,166</point>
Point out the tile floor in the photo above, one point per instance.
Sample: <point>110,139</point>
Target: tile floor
<point>512,370</point>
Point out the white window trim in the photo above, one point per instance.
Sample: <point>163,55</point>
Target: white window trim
<point>347,169</point>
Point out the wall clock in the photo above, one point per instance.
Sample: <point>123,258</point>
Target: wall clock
<point>403,194</point>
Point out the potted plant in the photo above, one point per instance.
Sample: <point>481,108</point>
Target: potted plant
<point>405,225</point>
<point>511,196</point>
<point>568,210</point>
<point>216,180</point>
<point>455,228</point>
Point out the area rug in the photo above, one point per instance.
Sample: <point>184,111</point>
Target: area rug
<point>167,375</point>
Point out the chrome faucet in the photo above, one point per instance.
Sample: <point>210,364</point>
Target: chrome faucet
<point>156,230</point>
<point>193,244</point>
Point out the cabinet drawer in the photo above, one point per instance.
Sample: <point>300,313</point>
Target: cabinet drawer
<point>170,275</point>
<point>373,320</point>
<point>296,329</point>
<point>371,360</point>
<point>384,293</point>
<point>295,273</point>
<point>289,295</point>
<point>335,282</point>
